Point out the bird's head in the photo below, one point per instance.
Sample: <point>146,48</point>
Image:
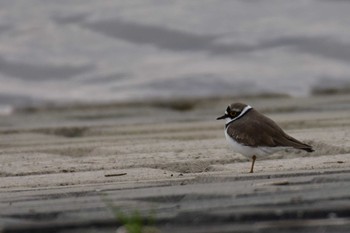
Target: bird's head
<point>233,111</point>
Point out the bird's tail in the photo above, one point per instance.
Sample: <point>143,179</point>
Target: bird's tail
<point>292,142</point>
<point>300,145</point>
<point>308,148</point>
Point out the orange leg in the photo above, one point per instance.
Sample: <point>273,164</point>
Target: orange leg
<point>252,168</point>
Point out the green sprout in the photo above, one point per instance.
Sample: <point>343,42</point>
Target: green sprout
<point>133,222</point>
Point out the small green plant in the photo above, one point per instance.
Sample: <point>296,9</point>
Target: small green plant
<point>133,222</point>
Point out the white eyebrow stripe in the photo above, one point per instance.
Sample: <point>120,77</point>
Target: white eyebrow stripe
<point>248,107</point>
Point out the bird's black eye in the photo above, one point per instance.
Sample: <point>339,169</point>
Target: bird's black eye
<point>233,114</point>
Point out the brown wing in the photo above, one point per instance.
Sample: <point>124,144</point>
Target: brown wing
<point>255,129</point>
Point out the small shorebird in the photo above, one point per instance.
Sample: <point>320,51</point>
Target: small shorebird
<point>254,135</point>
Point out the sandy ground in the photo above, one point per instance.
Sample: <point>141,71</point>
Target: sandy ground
<point>130,145</point>
<point>84,146</point>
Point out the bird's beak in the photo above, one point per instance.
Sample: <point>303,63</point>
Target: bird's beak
<point>222,117</point>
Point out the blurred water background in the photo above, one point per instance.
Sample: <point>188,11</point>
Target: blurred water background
<point>65,51</point>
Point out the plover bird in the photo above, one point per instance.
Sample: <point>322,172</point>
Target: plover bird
<point>254,135</point>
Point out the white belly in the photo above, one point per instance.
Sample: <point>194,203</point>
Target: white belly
<point>250,151</point>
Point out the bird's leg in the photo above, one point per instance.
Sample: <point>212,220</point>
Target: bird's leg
<point>252,168</point>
